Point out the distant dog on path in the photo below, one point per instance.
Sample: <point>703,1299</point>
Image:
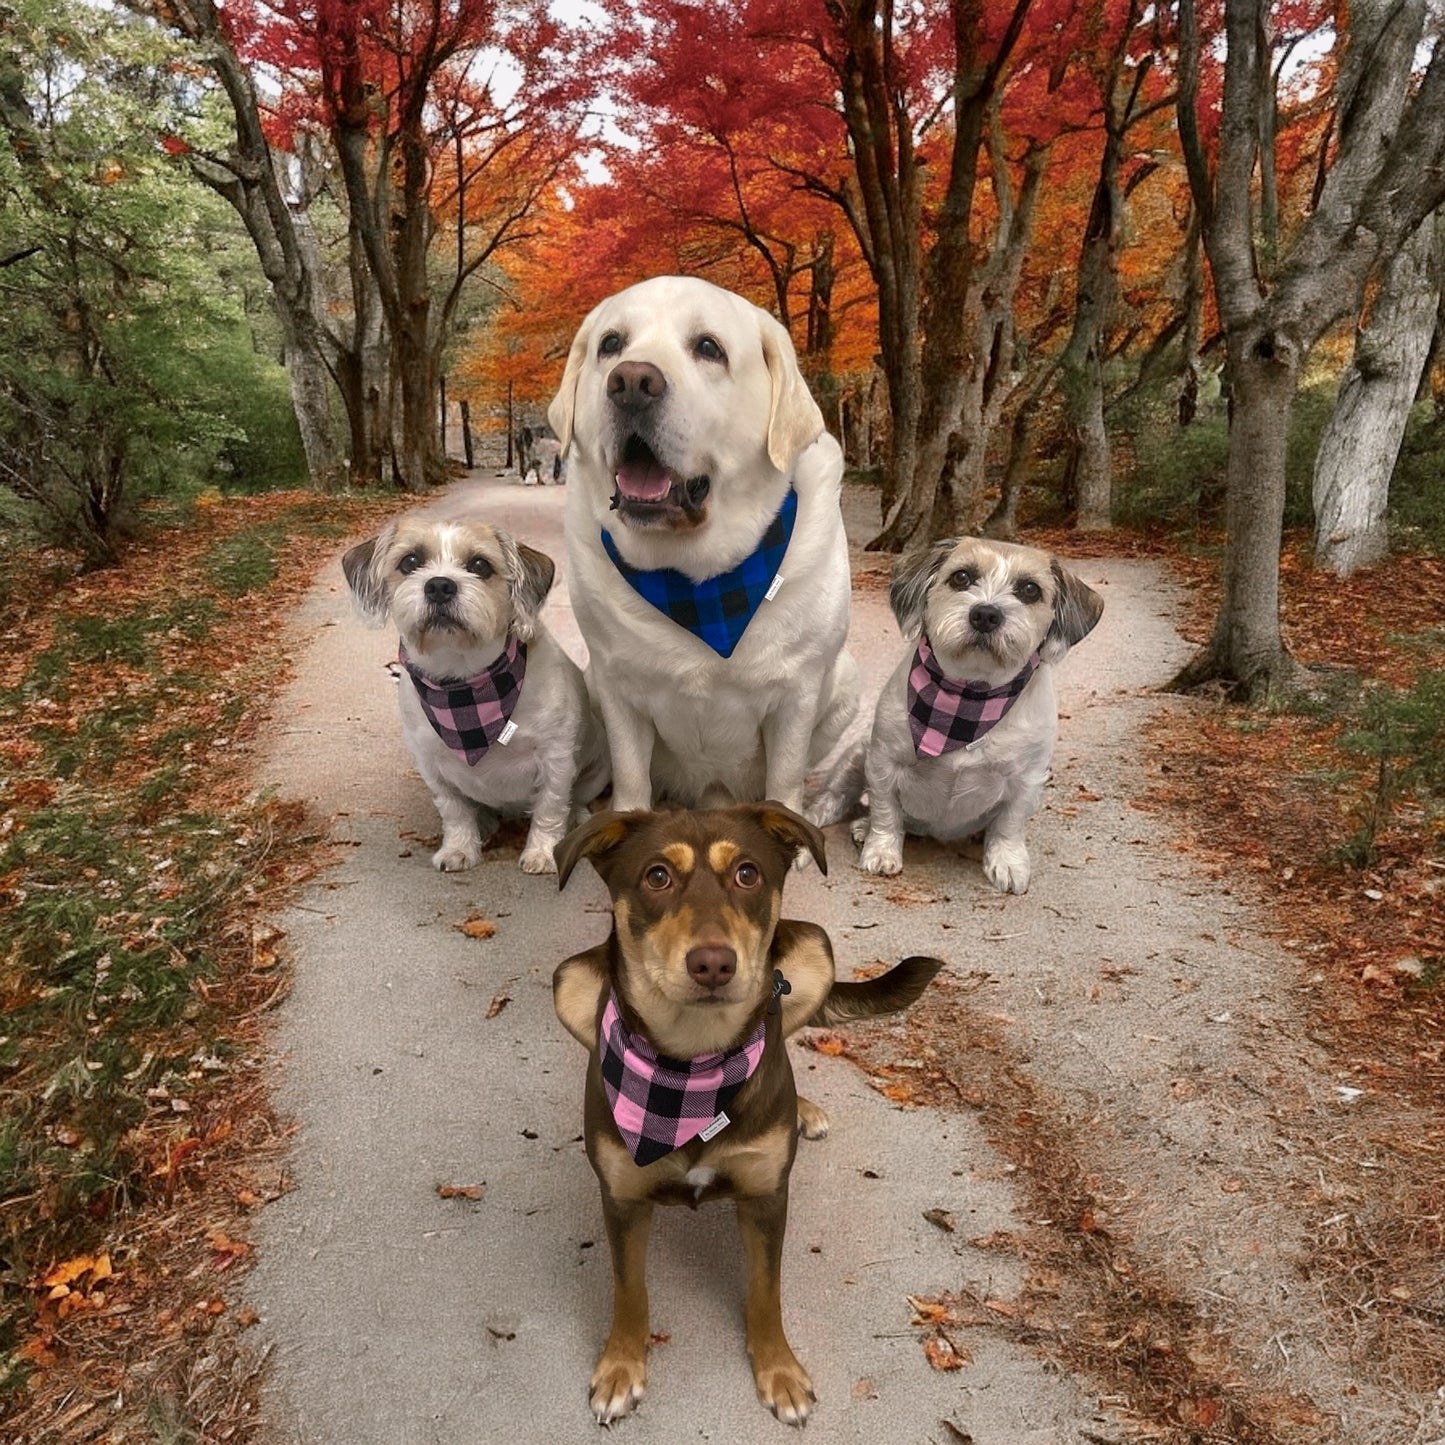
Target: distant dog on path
<point>495,713</point>
<point>963,735</point>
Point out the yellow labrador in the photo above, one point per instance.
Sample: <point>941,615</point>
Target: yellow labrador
<point>708,564</point>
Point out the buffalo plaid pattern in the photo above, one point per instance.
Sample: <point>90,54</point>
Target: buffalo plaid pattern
<point>718,610</point>
<point>660,1103</point>
<point>470,714</point>
<point>944,714</point>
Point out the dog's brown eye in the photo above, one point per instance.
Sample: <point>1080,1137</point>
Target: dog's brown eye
<point>1028,591</point>
<point>409,563</point>
<point>708,348</point>
<point>610,344</point>
<point>961,580</point>
<point>657,878</point>
<point>480,567</point>
<point>747,875</point>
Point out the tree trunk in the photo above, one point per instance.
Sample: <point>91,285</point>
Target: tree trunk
<point>1361,443</point>
<point>1246,649</point>
<point>467,453</point>
<point>247,178</point>
<point>311,401</point>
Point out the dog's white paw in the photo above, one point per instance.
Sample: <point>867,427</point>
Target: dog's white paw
<point>455,857</point>
<point>617,1386</point>
<point>881,854</point>
<point>785,1389</point>
<point>859,830</point>
<point>812,1121</point>
<point>1006,865</point>
<point>537,858</point>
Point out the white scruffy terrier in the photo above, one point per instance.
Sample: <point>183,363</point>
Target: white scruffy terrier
<point>964,731</point>
<point>494,712</point>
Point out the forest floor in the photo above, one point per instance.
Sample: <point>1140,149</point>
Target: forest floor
<point>1158,1158</point>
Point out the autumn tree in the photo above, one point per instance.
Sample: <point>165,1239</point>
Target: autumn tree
<point>1116,64</point>
<point>248,174</point>
<point>446,119</point>
<point>1385,172</point>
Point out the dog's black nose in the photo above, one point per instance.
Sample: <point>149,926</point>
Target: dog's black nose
<point>985,617</point>
<point>635,385</point>
<point>440,589</point>
<point>711,965</point>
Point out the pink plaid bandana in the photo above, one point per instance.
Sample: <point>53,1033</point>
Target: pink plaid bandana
<point>944,714</point>
<point>470,714</point>
<point>660,1103</point>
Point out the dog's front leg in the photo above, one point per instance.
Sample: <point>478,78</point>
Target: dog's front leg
<point>466,826</point>
<point>883,842</point>
<point>787,737</point>
<point>551,809</point>
<point>621,1373</point>
<point>1006,861</point>
<point>630,739</point>
<point>783,1384</point>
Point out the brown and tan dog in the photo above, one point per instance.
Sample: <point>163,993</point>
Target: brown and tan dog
<point>694,972</point>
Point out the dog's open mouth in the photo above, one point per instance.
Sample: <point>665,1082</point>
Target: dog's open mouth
<point>648,493</point>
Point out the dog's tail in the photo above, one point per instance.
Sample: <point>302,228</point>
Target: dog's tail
<point>888,993</point>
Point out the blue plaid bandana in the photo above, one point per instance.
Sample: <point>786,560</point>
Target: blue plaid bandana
<point>718,610</point>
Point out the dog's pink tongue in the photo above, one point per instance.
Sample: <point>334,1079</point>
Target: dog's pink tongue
<point>643,481</point>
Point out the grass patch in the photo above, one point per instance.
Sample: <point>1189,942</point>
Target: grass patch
<point>129,979</point>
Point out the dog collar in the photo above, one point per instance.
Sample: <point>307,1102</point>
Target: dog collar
<point>944,714</point>
<point>470,714</point>
<point>716,611</point>
<point>658,1103</point>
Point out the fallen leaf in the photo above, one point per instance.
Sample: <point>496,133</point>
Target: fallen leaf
<point>461,1191</point>
<point>659,1337</point>
<point>941,1217</point>
<point>247,1317</point>
<point>829,1044</point>
<point>498,1004</point>
<point>943,1354</point>
<point>477,927</point>
<point>927,1311</point>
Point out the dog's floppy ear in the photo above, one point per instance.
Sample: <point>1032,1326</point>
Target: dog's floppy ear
<point>362,568</point>
<point>913,575</point>
<point>564,404</point>
<point>529,580</point>
<point>795,420</point>
<point>594,839</point>
<point>791,830</point>
<point>1077,608</point>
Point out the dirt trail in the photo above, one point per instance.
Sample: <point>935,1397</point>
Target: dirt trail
<point>1156,1037</point>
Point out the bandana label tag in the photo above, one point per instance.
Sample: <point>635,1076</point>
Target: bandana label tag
<point>507,733</point>
<point>716,1127</point>
<point>773,589</point>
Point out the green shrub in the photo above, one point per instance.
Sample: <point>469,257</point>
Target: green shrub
<point>1404,732</point>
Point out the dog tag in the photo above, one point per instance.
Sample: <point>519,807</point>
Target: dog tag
<point>773,587</point>
<point>716,1127</point>
<point>507,733</point>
